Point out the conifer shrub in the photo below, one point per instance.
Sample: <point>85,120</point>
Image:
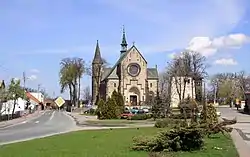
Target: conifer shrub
<point>209,115</point>
<point>101,109</point>
<point>139,117</point>
<point>168,122</point>
<point>108,110</point>
<point>117,96</point>
<point>177,139</point>
<point>113,110</point>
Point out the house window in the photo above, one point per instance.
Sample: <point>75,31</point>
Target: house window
<point>188,81</point>
<point>142,98</point>
<point>114,84</point>
<point>151,84</point>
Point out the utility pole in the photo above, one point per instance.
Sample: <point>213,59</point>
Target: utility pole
<point>38,92</point>
<point>24,80</point>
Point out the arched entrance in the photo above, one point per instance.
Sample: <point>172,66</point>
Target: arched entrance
<point>134,96</point>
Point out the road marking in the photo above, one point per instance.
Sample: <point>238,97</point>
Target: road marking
<point>52,116</point>
<point>37,122</point>
<point>24,122</point>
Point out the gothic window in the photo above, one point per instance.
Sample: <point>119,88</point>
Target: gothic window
<point>151,85</point>
<point>114,84</point>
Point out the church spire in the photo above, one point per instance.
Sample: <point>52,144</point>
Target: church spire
<point>124,42</point>
<point>97,58</point>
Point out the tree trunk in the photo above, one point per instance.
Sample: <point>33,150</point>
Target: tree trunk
<point>13,110</point>
<point>70,94</point>
<point>79,90</point>
<point>75,92</point>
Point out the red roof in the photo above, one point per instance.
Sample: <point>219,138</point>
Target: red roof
<point>31,97</point>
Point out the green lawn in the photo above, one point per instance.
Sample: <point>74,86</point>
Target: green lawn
<point>104,143</point>
<point>119,122</point>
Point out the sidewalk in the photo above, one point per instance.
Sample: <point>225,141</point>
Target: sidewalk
<point>241,132</point>
<point>21,119</point>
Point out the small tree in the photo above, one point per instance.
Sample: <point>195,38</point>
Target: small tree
<point>113,111</point>
<point>210,115</point>
<point>157,108</point>
<point>101,109</point>
<point>117,96</point>
<point>15,91</point>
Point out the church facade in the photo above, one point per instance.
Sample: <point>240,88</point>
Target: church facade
<point>130,76</point>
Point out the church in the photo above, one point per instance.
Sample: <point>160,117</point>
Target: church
<point>130,76</point>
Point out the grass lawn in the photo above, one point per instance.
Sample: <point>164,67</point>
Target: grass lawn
<point>119,122</point>
<point>104,143</point>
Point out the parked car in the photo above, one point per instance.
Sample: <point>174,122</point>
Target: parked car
<point>146,110</point>
<point>140,111</point>
<point>134,110</point>
<point>126,114</point>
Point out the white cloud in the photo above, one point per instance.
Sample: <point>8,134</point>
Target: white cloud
<point>16,79</point>
<point>226,61</point>
<point>208,47</point>
<point>172,55</point>
<point>34,71</point>
<point>32,77</point>
<point>177,24</point>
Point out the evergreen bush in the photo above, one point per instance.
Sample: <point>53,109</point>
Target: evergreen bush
<point>167,122</point>
<point>101,109</point>
<point>177,139</point>
<point>117,96</point>
<point>113,110</point>
<point>139,117</point>
<point>209,115</point>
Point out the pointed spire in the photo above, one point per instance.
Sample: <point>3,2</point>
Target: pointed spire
<point>124,42</point>
<point>97,58</point>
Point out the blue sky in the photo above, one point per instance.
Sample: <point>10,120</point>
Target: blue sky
<point>36,35</point>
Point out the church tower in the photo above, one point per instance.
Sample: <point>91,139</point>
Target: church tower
<point>124,42</point>
<point>96,74</point>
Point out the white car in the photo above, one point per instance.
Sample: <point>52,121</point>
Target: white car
<point>146,110</point>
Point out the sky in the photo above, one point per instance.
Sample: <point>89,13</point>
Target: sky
<point>36,35</point>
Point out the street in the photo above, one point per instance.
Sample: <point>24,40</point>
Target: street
<point>243,122</point>
<point>49,123</point>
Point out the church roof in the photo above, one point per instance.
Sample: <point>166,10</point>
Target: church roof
<point>109,72</point>
<point>152,73</point>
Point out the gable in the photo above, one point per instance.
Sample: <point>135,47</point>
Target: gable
<point>111,73</point>
<point>135,53</point>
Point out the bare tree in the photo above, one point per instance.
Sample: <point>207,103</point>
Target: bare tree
<point>86,93</point>
<point>189,65</point>
<point>243,82</point>
<point>187,68</point>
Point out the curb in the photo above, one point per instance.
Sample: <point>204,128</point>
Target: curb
<point>241,146</point>
<point>74,118</point>
<point>85,124</point>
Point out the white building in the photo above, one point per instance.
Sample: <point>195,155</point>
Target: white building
<point>8,106</point>
<point>177,88</point>
<point>38,95</point>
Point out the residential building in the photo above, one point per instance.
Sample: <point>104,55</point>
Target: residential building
<point>179,89</point>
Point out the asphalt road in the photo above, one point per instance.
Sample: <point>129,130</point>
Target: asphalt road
<point>49,123</point>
